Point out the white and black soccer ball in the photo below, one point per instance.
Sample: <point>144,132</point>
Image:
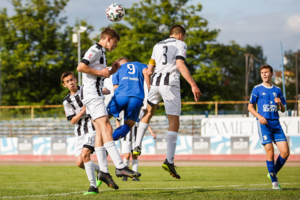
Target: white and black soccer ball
<point>115,12</point>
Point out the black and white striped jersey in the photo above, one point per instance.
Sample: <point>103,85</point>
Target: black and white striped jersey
<point>73,105</point>
<point>96,59</point>
<point>165,54</point>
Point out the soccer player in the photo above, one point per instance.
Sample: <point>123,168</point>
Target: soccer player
<point>167,62</point>
<point>84,129</point>
<point>128,83</point>
<point>269,100</point>
<point>93,66</point>
<point>128,143</point>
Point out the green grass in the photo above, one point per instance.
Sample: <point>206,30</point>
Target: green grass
<point>24,182</point>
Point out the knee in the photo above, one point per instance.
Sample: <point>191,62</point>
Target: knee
<point>80,164</point>
<point>85,157</point>
<point>285,154</point>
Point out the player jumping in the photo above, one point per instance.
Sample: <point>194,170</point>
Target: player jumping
<point>168,59</point>
<point>93,66</point>
<point>269,100</point>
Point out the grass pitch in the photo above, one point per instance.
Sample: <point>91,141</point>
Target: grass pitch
<point>70,182</point>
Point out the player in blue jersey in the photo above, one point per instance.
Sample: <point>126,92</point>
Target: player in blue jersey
<point>269,100</point>
<point>129,95</point>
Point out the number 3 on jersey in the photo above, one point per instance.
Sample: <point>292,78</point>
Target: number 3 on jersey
<point>131,68</point>
<point>165,55</point>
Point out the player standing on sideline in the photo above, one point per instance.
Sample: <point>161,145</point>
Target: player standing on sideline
<point>128,83</point>
<point>269,100</point>
<point>84,130</point>
<point>128,143</point>
<point>168,56</point>
<point>93,66</point>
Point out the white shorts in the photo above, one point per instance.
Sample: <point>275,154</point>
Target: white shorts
<point>171,96</point>
<point>96,107</point>
<point>128,142</point>
<point>87,141</point>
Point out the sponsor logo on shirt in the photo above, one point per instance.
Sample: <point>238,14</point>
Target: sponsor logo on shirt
<point>90,56</point>
<point>269,108</point>
<point>263,93</point>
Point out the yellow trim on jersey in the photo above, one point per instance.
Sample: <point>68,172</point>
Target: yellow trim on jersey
<point>152,62</point>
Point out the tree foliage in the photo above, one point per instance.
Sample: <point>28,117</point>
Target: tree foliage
<point>218,69</point>
<point>36,48</point>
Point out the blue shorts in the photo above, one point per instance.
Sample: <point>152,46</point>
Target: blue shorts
<point>131,106</point>
<point>271,132</point>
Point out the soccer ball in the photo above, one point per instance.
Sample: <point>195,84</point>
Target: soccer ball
<point>115,12</point>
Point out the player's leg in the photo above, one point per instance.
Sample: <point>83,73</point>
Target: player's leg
<point>97,109</point>
<point>172,99</point>
<point>89,169</point>
<point>79,142</point>
<point>153,99</point>
<point>109,144</point>
<point>281,142</point>
<point>135,166</point>
<point>266,137</point>
<point>126,149</point>
<point>79,162</point>
<point>126,161</point>
<point>114,107</point>
<point>283,156</point>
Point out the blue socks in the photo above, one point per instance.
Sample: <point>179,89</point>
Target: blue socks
<point>121,132</point>
<point>279,163</point>
<point>272,170</point>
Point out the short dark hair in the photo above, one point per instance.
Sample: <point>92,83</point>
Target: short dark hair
<point>65,74</point>
<point>123,58</point>
<point>266,67</point>
<point>109,32</point>
<point>176,30</point>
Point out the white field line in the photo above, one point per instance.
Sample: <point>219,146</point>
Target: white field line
<point>142,189</point>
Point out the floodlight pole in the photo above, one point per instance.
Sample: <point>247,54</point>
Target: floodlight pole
<point>0,83</point>
<point>296,80</point>
<point>79,55</point>
<point>283,79</point>
<point>246,84</point>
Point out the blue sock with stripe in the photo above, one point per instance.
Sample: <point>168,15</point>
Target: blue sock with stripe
<point>279,163</point>
<point>272,170</point>
<point>121,132</point>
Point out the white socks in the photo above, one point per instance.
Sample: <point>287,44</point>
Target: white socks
<point>114,154</point>
<point>141,130</point>
<point>97,168</point>
<point>126,162</point>
<point>171,145</point>
<point>90,172</point>
<point>135,165</point>
<point>102,160</point>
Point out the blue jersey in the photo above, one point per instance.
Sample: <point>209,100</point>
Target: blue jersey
<point>130,80</point>
<point>264,97</point>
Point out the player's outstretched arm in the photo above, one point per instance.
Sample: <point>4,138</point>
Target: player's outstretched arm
<point>188,77</point>
<point>77,117</point>
<point>260,118</point>
<point>88,70</point>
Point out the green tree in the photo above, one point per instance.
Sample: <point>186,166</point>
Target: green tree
<point>36,48</point>
<point>215,67</point>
